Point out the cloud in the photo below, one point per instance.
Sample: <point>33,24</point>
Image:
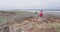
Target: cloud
<point>43,4</point>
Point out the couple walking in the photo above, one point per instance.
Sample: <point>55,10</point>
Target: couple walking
<point>39,15</point>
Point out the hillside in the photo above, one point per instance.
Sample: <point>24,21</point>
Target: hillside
<point>31,24</point>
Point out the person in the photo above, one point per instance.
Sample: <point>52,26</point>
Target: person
<point>41,14</point>
<point>36,15</point>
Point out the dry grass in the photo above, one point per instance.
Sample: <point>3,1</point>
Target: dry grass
<point>31,24</point>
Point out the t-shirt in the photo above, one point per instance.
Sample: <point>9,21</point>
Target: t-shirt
<point>37,14</point>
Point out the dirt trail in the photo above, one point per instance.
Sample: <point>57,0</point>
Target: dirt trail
<point>30,24</point>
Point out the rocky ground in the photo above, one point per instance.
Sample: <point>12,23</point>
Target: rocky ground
<point>48,23</point>
<point>31,24</point>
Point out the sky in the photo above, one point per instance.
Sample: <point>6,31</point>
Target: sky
<point>29,4</point>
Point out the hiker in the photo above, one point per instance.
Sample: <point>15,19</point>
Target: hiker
<point>36,14</point>
<point>41,14</point>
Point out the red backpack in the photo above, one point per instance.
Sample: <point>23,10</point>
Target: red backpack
<point>41,14</point>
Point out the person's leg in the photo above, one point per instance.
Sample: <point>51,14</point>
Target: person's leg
<point>37,17</point>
